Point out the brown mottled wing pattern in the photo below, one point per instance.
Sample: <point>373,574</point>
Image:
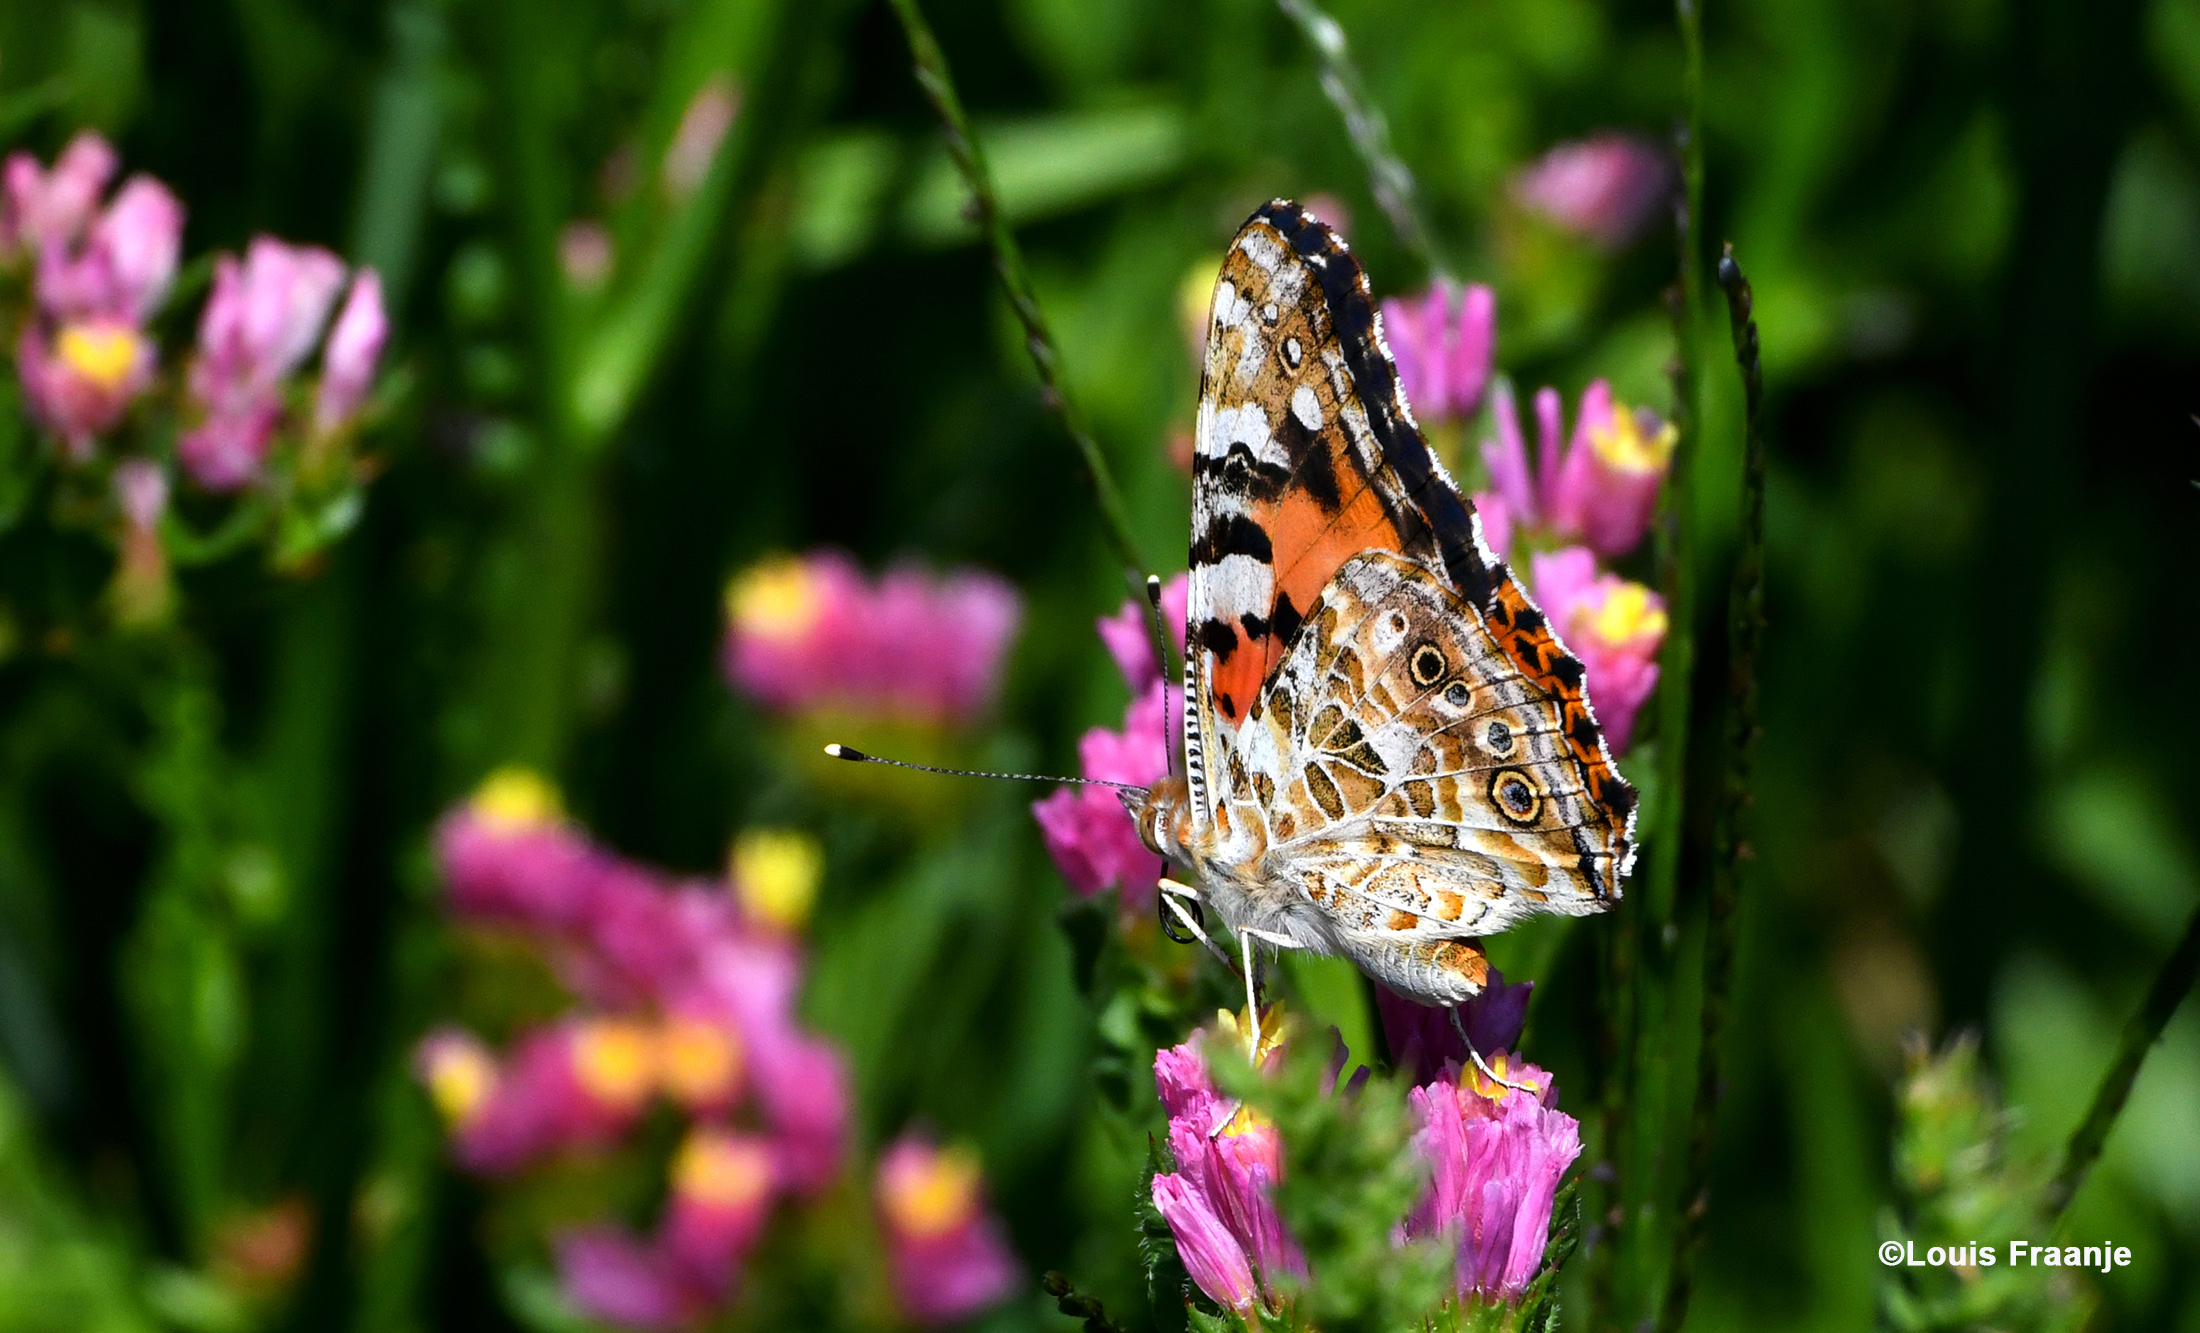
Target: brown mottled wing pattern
<point>1307,458</point>
<point>1416,784</point>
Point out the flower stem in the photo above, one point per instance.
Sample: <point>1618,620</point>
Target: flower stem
<point>2171,985</point>
<point>1389,178</point>
<point>1745,636</point>
<point>1008,265</point>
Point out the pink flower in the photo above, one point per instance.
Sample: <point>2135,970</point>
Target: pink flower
<point>1613,625</point>
<point>83,356</point>
<point>348,359</point>
<point>1212,1256</point>
<point>126,264</point>
<point>585,254</point>
<point>80,381</point>
<point>947,1252</point>
<point>1444,342</point>
<point>1424,1044</point>
<point>1495,1158</point>
<point>1601,488</point>
<point>721,1197</point>
<point>622,1280</point>
<point>1092,838</point>
<point>1219,1201</point>
<point>259,325</point>
<point>812,632</point>
<point>48,210</point>
<point>574,1084</point>
<point>1128,633</point>
<point>1607,187</point>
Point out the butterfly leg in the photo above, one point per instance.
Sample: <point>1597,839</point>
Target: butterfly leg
<point>1487,1072</point>
<point>1171,891</point>
<point>1246,936</point>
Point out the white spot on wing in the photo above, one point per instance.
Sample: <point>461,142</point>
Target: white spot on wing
<point>1306,407</point>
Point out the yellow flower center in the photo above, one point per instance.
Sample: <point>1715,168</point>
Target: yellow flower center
<point>776,874</point>
<point>775,600</point>
<point>460,1077</point>
<point>1629,613</point>
<point>935,1197</point>
<point>1626,447</point>
<point>105,354</point>
<point>515,798</point>
<point>701,1061</point>
<point>615,1061</point>
<point>718,1168</point>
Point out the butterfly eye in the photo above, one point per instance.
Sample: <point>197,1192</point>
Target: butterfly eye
<point>1510,790</point>
<point>1458,696</point>
<point>1498,737</point>
<point>1427,665</point>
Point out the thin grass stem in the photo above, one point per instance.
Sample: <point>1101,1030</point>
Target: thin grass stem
<point>2170,987</point>
<point>1745,638</point>
<point>1008,265</point>
<point>1387,175</point>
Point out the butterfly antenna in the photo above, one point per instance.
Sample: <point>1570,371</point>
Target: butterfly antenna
<point>855,756</point>
<point>1161,657</point>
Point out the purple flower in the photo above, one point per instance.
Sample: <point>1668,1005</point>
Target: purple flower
<point>1423,1044</point>
<point>623,1280</point>
<point>258,326</point>
<point>1210,1253</point>
<point>1495,1158</point>
<point>1444,342</point>
<point>1219,1201</point>
<point>1128,633</point>
<point>569,1085</point>
<point>1601,488</point>
<point>1613,625</point>
<point>1607,187</point>
<point>348,359</point>
<point>1092,838</point>
<point>947,1252</point>
<point>811,632</point>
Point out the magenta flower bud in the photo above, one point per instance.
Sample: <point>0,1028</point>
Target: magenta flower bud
<point>48,210</point>
<point>947,1252</point>
<point>348,359</point>
<point>1613,625</point>
<point>1211,1255</point>
<point>1506,456</point>
<point>1092,838</point>
<point>1423,1042</point>
<point>1608,187</point>
<point>1444,342</point>
<point>1128,633</point>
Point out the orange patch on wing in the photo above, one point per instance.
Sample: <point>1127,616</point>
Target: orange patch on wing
<point>1236,680</point>
<point>1313,543</point>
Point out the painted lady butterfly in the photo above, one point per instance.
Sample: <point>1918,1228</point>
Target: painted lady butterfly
<point>1388,753</point>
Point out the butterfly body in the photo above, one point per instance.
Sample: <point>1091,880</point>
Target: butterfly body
<point>1388,753</point>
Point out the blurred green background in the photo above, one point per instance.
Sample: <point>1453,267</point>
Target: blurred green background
<point>1974,233</point>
